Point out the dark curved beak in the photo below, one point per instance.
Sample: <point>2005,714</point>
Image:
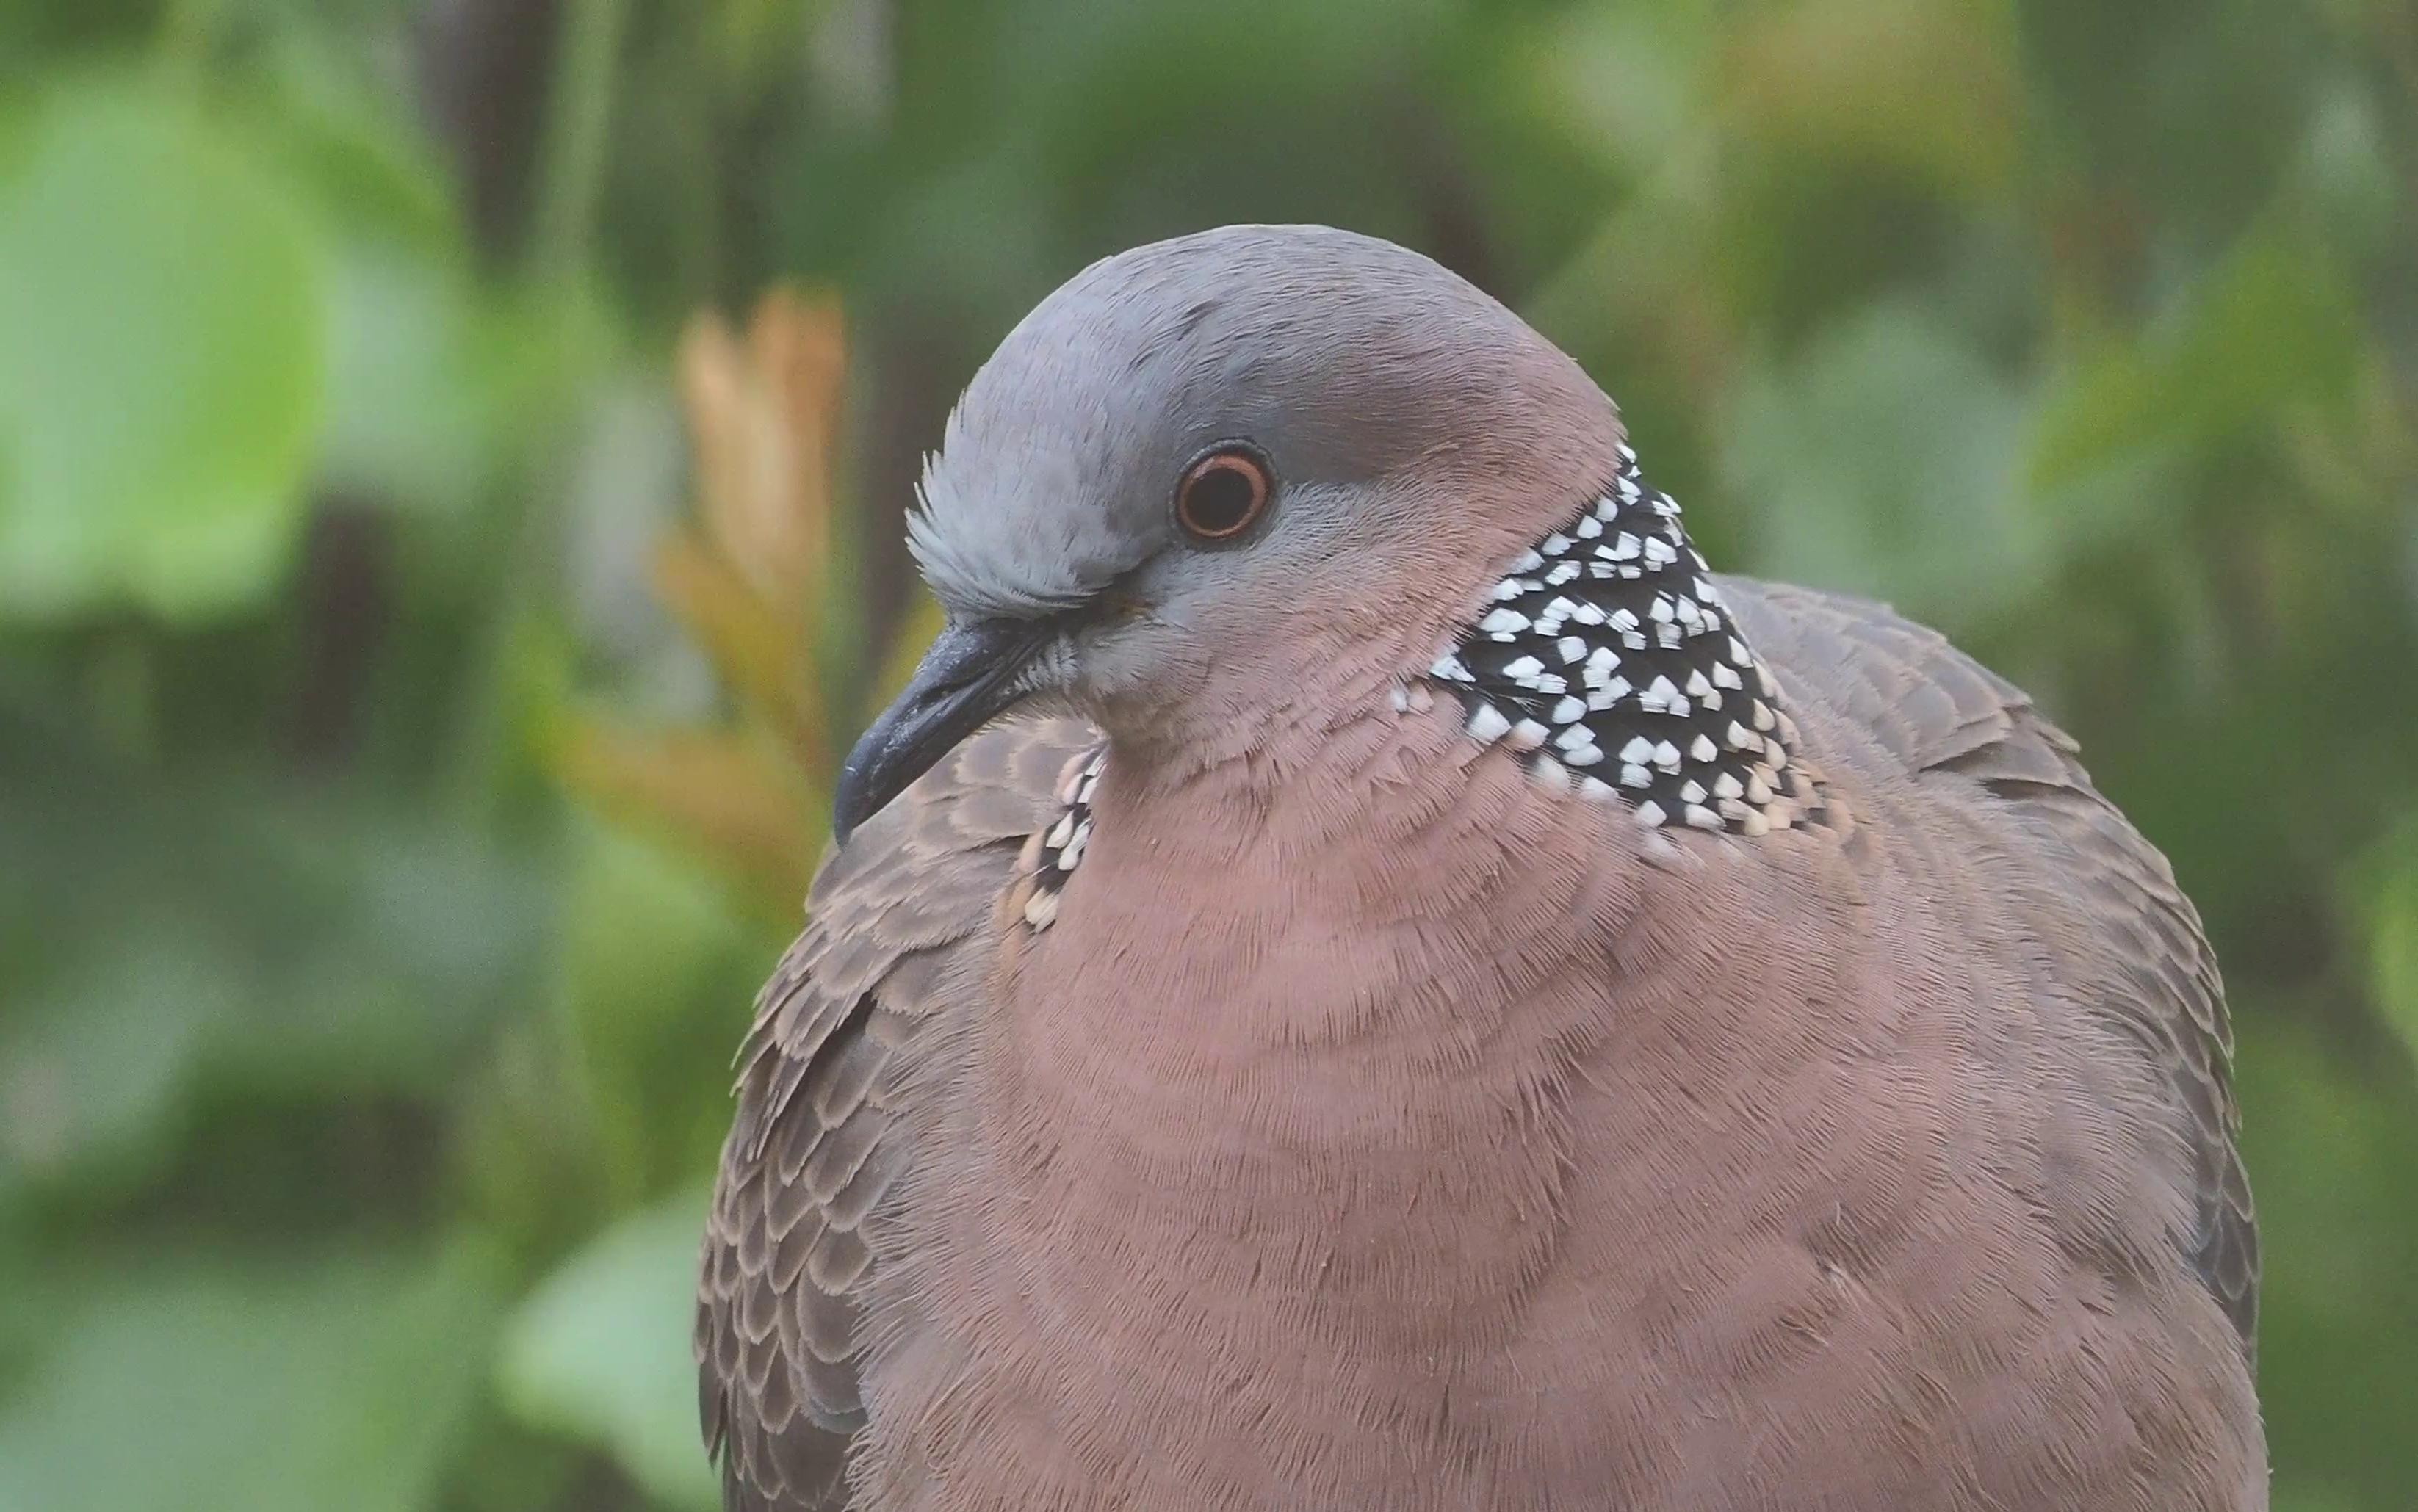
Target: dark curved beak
<point>970,673</point>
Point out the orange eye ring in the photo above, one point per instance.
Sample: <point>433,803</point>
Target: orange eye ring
<point>1223,494</point>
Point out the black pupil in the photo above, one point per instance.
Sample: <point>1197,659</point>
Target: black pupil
<point>1220,499</point>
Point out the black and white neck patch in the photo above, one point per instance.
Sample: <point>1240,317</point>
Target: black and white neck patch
<point>1606,658</point>
<point>1051,855</point>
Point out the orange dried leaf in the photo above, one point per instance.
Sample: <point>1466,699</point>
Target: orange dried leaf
<point>764,413</point>
<point>727,799</point>
<point>759,650</point>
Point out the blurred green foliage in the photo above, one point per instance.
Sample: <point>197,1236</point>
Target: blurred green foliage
<point>422,637</point>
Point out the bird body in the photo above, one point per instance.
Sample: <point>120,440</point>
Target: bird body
<point>1290,1082</point>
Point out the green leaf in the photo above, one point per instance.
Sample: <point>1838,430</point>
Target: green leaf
<point>226,1388</point>
<point>2267,337</point>
<point>657,971</point>
<point>1931,89</point>
<point>160,335</point>
<point>2327,1137</point>
<point>418,397</point>
<point>178,934</point>
<point>1881,460</point>
<point>1626,79</point>
<point>414,406</point>
<point>100,1053</point>
<point>2386,890</point>
<point>316,106</point>
<point>601,1351</point>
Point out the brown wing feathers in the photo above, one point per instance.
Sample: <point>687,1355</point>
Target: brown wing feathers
<point>1941,713</point>
<point>806,1160</point>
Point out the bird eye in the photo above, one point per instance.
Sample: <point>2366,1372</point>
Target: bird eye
<point>1221,495</point>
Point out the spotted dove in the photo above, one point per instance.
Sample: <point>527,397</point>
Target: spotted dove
<point>1359,974</point>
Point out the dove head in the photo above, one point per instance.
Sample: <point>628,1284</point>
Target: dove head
<point>1212,480</point>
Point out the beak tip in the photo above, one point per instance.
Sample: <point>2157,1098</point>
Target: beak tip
<point>849,799</point>
<point>964,679</point>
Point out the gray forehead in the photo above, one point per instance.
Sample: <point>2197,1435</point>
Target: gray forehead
<point>1341,355</point>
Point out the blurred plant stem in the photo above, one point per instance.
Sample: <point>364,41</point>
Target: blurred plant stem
<point>573,148</point>
<point>751,578</point>
<point>573,143</point>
